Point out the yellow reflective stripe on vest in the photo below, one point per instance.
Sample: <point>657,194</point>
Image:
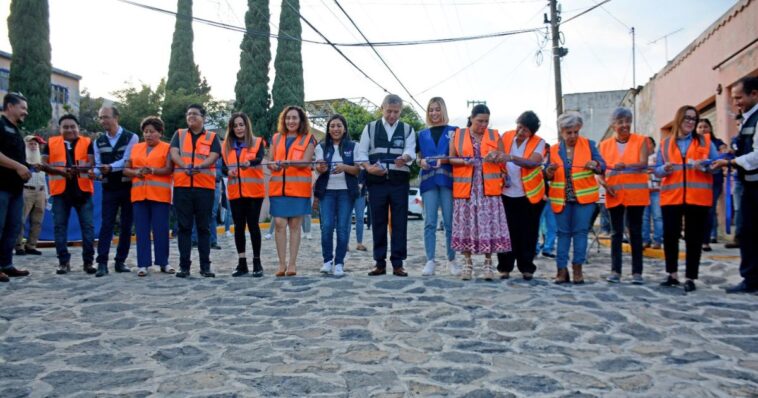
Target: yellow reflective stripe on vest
<point>586,191</point>
<point>536,189</point>
<point>532,175</point>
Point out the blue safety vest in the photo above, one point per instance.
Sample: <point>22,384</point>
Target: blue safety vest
<point>436,177</point>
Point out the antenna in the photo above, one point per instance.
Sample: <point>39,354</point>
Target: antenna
<point>665,39</point>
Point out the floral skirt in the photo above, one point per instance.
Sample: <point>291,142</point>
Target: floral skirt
<point>479,225</point>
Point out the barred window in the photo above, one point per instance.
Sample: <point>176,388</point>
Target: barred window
<point>58,94</point>
<point>4,76</point>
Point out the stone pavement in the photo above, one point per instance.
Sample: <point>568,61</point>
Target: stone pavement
<point>121,335</point>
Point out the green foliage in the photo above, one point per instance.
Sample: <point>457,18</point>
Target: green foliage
<point>408,115</point>
<point>251,90</point>
<point>88,109</point>
<point>356,116</point>
<point>29,35</point>
<point>135,104</point>
<point>288,88</point>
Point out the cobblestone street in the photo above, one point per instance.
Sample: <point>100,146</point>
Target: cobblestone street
<point>309,335</point>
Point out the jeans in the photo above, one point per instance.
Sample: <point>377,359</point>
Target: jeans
<point>433,199</point>
<point>548,230</point>
<point>335,209</point>
<point>61,214</point>
<point>653,211</point>
<point>712,223</point>
<point>359,207</point>
<point>695,218</point>
<point>153,218</point>
<point>246,212</point>
<point>739,189</point>
<point>11,206</point>
<point>605,219</point>
<point>228,215</point>
<point>383,198</point>
<point>113,200</point>
<point>633,216</point>
<point>573,226</point>
<point>193,206</point>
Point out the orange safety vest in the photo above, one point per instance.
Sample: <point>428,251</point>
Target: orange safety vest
<point>686,184</point>
<point>585,185</point>
<point>249,181</point>
<point>57,159</point>
<point>291,181</point>
<point>463,175</point>
<point>534,184</point>
<point>206,178</point>
<point>152,187</point>
<point>631,186</point>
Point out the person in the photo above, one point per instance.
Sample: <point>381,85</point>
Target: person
<point>548,230</point>
<point>523,195</point>
<point>217,196</point>
<point>242,155</point>
<point>68,160</point>
<point>704,127</point>
<point>112,148</point>
<point>390,147</point>
<point>626,190</point>
<point>686,192</point>
<point>573,193</point>
<point>653,211</point>
<point>290,187</point>
<point>479,223</point>
<point>194,152</point>
<point>734,146</point>
<point>336,189</point>
<point>35,198</point>
<point>149,166</point>
<point>436,183</point>
<point>745,97</point>
<point>359,209</point>
<point>13,174</point>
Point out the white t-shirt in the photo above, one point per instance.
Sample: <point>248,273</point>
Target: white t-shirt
<point>516,188</point>
<point>336,181</point>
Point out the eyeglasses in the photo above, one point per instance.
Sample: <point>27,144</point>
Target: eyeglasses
<point>690,119</point>
<point>194,114</point>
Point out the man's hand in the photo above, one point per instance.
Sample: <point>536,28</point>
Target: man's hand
<point>105,169</point>
<point>23,172</point>
<point>402,160</point>
<point>376,170</point>
<point>717,164</point>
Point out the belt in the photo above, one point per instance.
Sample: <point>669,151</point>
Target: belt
<point>31,188</point>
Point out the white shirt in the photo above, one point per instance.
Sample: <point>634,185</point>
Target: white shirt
<point>749,161</point>
<point>365,142</point>
<point>336,181</point>
<point>516,188</point>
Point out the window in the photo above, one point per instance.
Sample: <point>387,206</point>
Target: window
<point>58,94</point>
<point>4,76</point>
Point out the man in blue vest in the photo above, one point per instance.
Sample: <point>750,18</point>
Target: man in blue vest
<point>389,145</point>
<point>112,148</point>
<point>745,96</point>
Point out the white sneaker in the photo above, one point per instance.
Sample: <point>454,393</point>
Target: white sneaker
<point>307,236</point>
<point>429,268</point>
<point>267,237</point>
<point>454,268</point>
<point>338,272</point>
<point>327,268</point>
<point>228,234</point>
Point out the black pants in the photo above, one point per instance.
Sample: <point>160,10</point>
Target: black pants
<point>245,212</point>
<point>749,234</point>
<point>523,227</point>
<point>694,224</point>
<point>634,222</point>
<point>194,206</point>
<point>113,200</point>
<point>383,198</point>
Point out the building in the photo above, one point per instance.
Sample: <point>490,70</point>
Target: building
<point>596,109</point>
<point>64,88</point>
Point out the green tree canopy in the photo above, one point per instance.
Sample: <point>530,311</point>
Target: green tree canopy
<point>288,88</point>
<point>88,109</point>
<point>251,90</point>
<point>135,104</point>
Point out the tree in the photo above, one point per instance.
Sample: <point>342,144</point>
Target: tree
<point>88,109</point>
<point>29,35</point>
<point>251,90</point>
<point>356,117</point>
<point>288,88</point>
<point>135,104</point>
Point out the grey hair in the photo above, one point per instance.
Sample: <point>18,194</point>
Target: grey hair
<point>621,113</point>
<point>570,119</point>
<point>392,99</point>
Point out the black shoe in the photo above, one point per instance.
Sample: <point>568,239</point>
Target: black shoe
<point>121,267</point>
<point>20,252</point>
<point>15,273</point>
<point>378,271</point>
<point>548,254</point>
<point>102,270</point>
<point>183,274</point>
<point>257,268</point>
<point>241,268</point>
<point>88,268</point>
<point>34,252</point>
<point>669,282</point>
<point>714,240</point>
<point>216,247</point>
<point>207,274</point>
<point>399,272</point>
<point>4,278</point>
<point>707,248</point>
<point>741,287</point>
<point>63,269</point>
<point>689,285</point>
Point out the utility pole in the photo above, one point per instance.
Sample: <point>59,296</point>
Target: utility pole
<point>558,53</point>
<point>634,81</point>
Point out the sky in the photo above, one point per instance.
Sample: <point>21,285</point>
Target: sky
<point>113,45</point>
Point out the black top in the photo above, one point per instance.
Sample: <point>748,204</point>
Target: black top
<point>12,146</point>
<point>437,133</point>
<point>73,194</point>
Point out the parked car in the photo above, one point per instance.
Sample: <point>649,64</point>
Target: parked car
<point>415,203</point>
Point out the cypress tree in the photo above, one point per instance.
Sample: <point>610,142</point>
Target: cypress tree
<point>251,90</point>
<point>29,34</point>
<point>288,86</point>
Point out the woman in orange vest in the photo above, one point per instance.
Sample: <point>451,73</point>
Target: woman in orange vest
<point>290,187</point>
<point>686,192</point>
<point>479,224</point>
<point>523,194</point>
<point>626,190</point>
<point>151,168</point>
<point>574,161</point>
<point>242,154</point>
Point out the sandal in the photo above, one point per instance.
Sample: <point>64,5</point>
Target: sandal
<point>142,272</point>
<point>168,269</point>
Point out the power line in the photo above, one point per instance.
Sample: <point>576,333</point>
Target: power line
<point>585,11</point>
<point>349,18</point>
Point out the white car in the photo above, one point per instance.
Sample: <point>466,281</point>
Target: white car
<point>415,203</point>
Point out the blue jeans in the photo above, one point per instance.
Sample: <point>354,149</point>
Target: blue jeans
<point>654,211</point>
<point>61,214</point>
<point>548,230</point>
<point>227,215</point>
<point>307,223</point>
<point>712,224</point>
<point>153,217</point>
<point>739,188</point>
<point>111,202</point>
<point>335,209</point>
<point>438,197</point>
<point>359,207</point>
<point>11,207</point>
<point>573,225</point>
